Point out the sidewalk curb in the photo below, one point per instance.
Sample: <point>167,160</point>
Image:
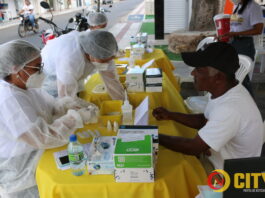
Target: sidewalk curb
<point>16,22</point>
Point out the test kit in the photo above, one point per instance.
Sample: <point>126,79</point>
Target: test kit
<point>100,156</point>
<point>133,159</point>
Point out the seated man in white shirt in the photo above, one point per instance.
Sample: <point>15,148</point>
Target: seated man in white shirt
<point>231,126</point>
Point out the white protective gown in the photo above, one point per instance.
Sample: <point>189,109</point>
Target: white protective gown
<point>30,121</point>
<point>65,61</point>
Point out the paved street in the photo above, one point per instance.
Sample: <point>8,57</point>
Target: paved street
<point>118,14</point>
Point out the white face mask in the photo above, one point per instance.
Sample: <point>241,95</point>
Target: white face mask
<point>35,80</point>
<point>102,66</point>
<point>235,1</point>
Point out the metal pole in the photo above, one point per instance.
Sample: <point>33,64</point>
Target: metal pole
<point>98,6</point>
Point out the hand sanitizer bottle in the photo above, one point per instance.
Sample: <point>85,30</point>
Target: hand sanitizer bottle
<point>127,118</point>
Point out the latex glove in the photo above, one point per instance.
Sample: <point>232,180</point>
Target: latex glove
<point>89,114</point>
<point>113,85</point>
<point>74,103</point>
<point>161,113</point>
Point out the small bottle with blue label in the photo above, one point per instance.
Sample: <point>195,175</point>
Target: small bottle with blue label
<point>76,156</point>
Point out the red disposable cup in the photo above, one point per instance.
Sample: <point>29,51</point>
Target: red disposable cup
<point>222,24</point>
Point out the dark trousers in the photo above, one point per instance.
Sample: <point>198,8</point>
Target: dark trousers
<point>245,46</point>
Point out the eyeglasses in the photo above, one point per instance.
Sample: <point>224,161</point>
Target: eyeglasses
<point>38,67</point>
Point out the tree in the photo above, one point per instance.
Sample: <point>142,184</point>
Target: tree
<point>203,12</point>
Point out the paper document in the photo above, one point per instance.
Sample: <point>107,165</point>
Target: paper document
<point>148,64</point>
<point>141,113</point>
<point>124,59</point>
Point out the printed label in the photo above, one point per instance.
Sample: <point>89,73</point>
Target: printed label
<point>76,157</point>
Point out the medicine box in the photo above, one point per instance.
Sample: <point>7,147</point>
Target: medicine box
<point>128,130</point>
<point>134,175</point>
<point>153,76</point>
<point>100,155</point>
<point>138,48</point>
<point>154,87</point>
<point>135,74</point>
<point>133,159</point>
<point>135,80</point>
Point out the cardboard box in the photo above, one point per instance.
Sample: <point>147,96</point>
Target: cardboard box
<point>135,87</point>
<point>128,130</point>
<point>135,80</point>
<point>100,156</point>
<point>153,76</point>
<point>138,50</point>
<point>153,87</point>
<point>135,74</point>
<point>134,175</point>
<point>133,156</point>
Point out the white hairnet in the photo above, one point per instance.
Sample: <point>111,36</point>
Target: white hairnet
<point>14,55</point>
<point>97,18</point>
<point>98,43</point>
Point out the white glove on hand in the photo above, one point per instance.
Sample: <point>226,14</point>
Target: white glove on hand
<point>89,114</point>
<point>74,103</point>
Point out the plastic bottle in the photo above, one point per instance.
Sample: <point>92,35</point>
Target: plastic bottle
<point>132,41</point>
<point>127,118</point>
<point>76,156</point>
<point>131,60</point>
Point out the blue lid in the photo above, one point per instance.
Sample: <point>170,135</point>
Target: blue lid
<point>72,138</point>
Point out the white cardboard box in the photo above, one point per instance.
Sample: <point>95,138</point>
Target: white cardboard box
<point>135,79</point>
<point>134,175</point>
<point>133,159</point>
<point>153,76</point>
<point>127,130</point>
<point>153,87</point>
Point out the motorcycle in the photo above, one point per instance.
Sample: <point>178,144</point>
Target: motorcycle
<point>105,2</point>
<point>25,26</point>
<point>54,30</point>
<point>81,23</point>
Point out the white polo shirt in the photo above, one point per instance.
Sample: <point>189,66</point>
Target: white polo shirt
<point>234,128</point>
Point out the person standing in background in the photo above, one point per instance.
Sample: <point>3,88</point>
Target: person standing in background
<point>246,22</point>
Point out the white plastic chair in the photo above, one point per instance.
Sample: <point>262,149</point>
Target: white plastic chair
<point>204,41</point>
<point>246,67</point>
<point>264,132</point>
<point>263,146</point>
<point>260,51</point>
<point>197,104</point>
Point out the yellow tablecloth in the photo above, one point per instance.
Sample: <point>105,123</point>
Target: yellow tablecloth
<point>161,61</point>
<point>177,175</point>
